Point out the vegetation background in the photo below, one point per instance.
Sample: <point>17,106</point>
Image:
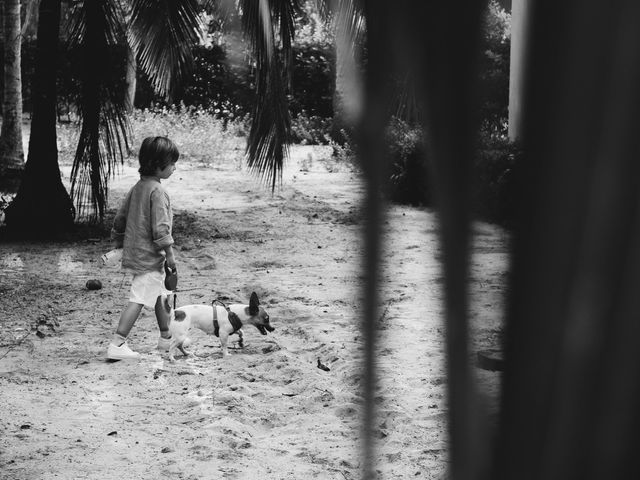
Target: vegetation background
<point>221,89</point>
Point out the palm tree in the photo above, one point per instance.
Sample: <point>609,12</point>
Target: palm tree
<point>11,152</point>
<point>42,205</point>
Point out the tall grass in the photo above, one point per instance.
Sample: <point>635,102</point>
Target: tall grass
<point>199,135</point>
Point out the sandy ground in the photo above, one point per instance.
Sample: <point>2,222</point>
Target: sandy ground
<point>266,411</point>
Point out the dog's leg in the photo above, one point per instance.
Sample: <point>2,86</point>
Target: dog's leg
<point>175,344</point>
<point>224,337</point>
<point>241,341</point>
<point>184,352</point>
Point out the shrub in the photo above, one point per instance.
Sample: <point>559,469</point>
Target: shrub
<point>494,64</point>
<point>495,168</point>
<point>408,180</point>
<point>495,165</point>
<point>312,81</point>
<point>197,133</point>
<point>311,129</point>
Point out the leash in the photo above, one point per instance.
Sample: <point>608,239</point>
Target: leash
<point>235,321</point>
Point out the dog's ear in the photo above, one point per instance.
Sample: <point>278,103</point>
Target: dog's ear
<point>253,304</point>
<point>180,315</point>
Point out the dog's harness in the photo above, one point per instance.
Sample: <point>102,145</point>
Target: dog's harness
<point>235,321</point>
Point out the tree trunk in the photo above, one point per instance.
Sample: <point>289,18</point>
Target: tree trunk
<point>571,387</point>
<point>517,65</point>
<point>130,80</point>
<point>42,208</point>
<point>11,152</point>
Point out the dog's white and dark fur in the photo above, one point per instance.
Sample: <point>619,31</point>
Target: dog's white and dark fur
<point>184,318</point>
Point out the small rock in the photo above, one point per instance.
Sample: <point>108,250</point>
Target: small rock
<point>322,366</point>
<point>94,284</point>
<point>166,450</point>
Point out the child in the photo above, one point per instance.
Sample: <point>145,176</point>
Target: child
<point>142,227</point>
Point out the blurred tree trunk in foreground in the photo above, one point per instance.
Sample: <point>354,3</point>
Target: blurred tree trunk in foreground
<point>437,43</point>
<point>42,206</point>
<point>571,402</point>
<point>11,153</point>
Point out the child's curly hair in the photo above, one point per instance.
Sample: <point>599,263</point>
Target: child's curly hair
<point>156,153</point>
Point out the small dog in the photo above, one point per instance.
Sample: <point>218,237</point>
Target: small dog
<point>214,319</point>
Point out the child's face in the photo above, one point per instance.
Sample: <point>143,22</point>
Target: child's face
<point>167,171</point>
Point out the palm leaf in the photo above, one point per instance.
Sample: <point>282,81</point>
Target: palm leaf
<point>162,33</point>
<point>270,132</point>
<point>95,30</point>
<point>348,12</point>
<point>284,13</point>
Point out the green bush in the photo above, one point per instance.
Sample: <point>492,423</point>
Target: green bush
<point>311,129</point>
<point>408,180</point>
<point>494,65</point>
<point>198,134</point>
<point>495,167</point>
<point>312,81</point>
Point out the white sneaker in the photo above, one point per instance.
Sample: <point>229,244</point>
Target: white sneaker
<point>123,352</point>
<point>164,344</point>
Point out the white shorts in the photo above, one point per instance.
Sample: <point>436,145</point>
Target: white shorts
<point>147,287</point>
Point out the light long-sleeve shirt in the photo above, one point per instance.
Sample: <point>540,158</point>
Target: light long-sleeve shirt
<point>143,225</point>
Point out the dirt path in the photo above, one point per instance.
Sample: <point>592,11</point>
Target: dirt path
<point>267,411</point>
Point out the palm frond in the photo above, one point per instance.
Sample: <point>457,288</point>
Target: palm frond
<point>270,133</point>
<point>94,30</point>
<point>162,33</point>
<point>284,14</point>
<point>350,23</point>
<point>269,136</point>
<point>349,12</point>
